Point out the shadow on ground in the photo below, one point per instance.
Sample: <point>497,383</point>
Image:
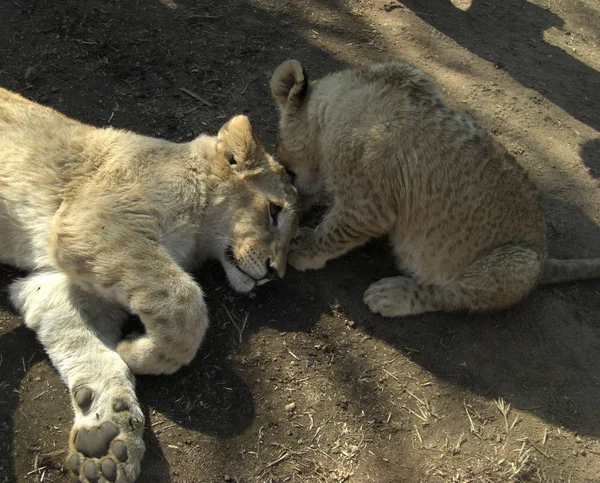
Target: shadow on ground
<point>486,29</point>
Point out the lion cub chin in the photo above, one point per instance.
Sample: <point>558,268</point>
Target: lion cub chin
<point>464,219</point>
<point>108,222</point>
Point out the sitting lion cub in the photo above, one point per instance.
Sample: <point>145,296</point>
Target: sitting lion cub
<point>464,219</point>
<point>108,222</point>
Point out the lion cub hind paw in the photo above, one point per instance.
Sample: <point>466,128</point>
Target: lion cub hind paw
<point>110,450</point>
<point>102,454</point>
<point>395,297</point>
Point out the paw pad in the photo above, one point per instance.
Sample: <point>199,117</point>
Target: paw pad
<point>109,469</point>
<point>84,397</point>
<point>106,446</point>
<point>73,463</point>
<point>120,406</point>
<point>90,470</point>
<point>94,442</point>
<point>119,448</point>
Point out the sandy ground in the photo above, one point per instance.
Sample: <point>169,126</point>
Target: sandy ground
<point>508,396</point>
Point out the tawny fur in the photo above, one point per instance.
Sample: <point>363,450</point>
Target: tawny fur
<point>109,222</point>
<point>463,217</point>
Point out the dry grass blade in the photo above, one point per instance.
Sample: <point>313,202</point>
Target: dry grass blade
<point>284,456</point>
<point>534,446</point>
<point>196,96</point>
<point>418,434</point>
<point>240,327</point>
<point>473,429</point>
<point>504,408</point>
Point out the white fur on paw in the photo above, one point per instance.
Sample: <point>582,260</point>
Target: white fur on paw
<point>301,260</point>
<point>106,443</point>
<point>390,297</point>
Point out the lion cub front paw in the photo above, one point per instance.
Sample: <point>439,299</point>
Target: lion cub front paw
<point>303,255</point>
<point>106,441</point>
<point>303,260</point>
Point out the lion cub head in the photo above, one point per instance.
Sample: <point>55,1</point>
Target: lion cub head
<point>261,205</point>
<point>290,89</point>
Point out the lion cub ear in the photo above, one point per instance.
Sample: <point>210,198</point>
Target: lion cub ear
<point>289,84</point>
<point>238,143</point>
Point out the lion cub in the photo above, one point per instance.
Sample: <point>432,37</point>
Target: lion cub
<point>108,222</point>
<point>464,219</point>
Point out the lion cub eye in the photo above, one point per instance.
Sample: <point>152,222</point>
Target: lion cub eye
<point>274,211</point>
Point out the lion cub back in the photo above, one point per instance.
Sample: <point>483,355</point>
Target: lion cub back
<point>383,142</point>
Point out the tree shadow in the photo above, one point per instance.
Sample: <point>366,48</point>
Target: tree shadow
<point>486,29</point>
<point>590,154</point>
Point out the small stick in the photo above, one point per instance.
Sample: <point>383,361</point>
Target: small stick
<point>411,411</point>
<point>391,375</point>
<point>545,438</point>
<point>293,355</point>
<point>473,430</point>
<point>528,441</point>
<point>418,434</point>
<point>195,96</point>
<point>422,403</point>
<point>283,457</point>
<point>247,85</point>
<point>37,470</point>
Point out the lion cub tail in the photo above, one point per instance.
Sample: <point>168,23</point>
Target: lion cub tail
<point>556,271</point>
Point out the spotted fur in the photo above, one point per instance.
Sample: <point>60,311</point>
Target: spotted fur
<point>463,217</point>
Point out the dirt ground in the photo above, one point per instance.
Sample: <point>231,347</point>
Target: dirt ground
<point>299,381</point>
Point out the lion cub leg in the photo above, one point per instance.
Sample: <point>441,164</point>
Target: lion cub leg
<point>494,281</point>
<point>79,332</point>
<point>169,303</point>
<point>342,229</point>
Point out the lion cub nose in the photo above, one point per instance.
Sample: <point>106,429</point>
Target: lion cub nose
<point>272,271</point>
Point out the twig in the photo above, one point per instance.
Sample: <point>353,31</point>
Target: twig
<point>545,438</point>
<point>418,434</point>
<point>240,328</point>
<point>37,470</point>
<point>528,441</point>
<point>248,85</point>
<point>195,96</point>
<point>162,430</point>
<point>293,355</point>
<point>215,17</point>
<point>283,457</point>
<point>410,393</point>
<point>391,375</point>
<point>417,415</point>
<point>473,429</point>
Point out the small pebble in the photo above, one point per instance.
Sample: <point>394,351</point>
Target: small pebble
<point>31,74</point>
<point>290,407</point>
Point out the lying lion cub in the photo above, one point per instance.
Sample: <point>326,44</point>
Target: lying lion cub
<point>108,222</point>
<point>464,219</point>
